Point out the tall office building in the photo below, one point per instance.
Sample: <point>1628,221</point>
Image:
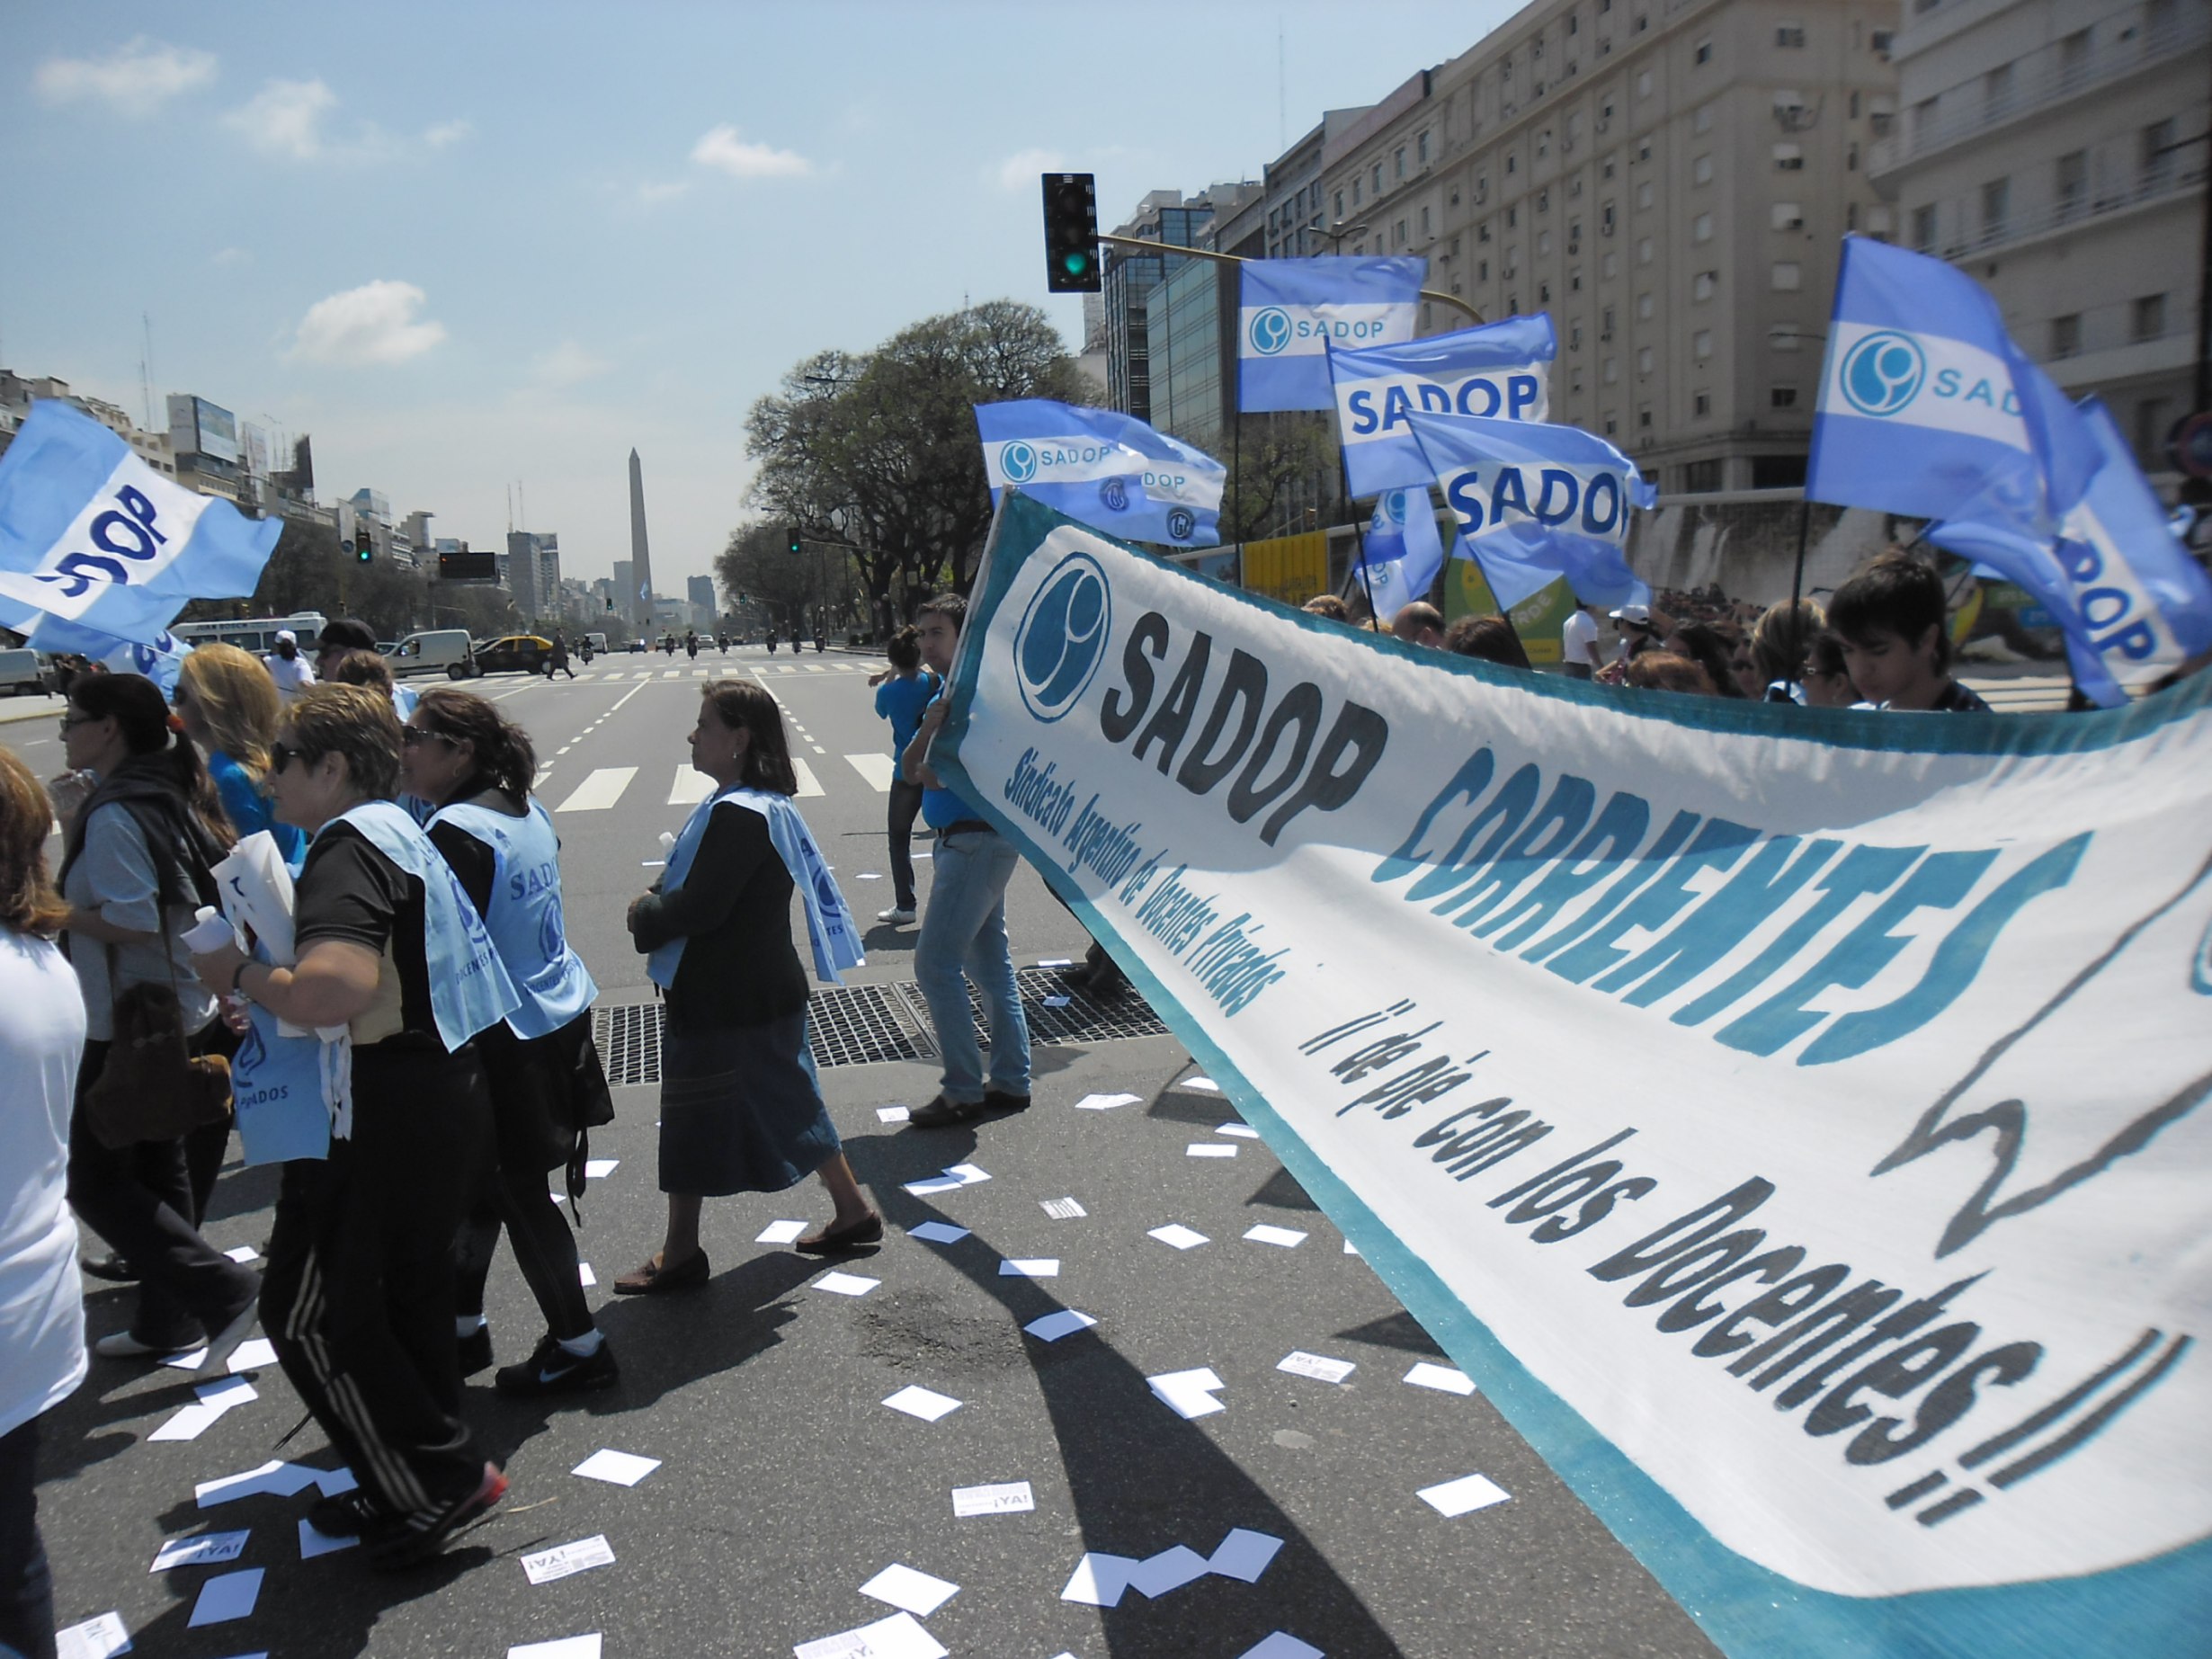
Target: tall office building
<point>2054,150</point>
<point>534,573</point>
<point>1174,220</point>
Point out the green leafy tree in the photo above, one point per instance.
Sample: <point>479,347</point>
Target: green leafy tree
<point>878,452</point>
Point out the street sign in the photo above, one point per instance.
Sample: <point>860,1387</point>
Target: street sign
<point>2188,444</point>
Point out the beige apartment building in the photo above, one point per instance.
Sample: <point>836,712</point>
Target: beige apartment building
<point>1671,181</point>
<point>2055,149</point>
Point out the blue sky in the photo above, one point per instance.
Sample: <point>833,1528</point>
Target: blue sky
<point>467,244</point>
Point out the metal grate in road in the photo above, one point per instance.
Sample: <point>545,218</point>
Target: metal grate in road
<point>860,1025</point>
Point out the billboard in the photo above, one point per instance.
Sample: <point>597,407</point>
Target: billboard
<point>198,427</point>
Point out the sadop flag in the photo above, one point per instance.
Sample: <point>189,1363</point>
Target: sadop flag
<point>158,658</point>
<point>90,533</point>
<point>1533,498</point>
<point>1402,552</point>
<point>1107,469</point>
<point>1497,371</point>
<point>1291,311</point>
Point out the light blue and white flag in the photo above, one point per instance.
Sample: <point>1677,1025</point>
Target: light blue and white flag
<point>1533,498</point>
<point>1402,552</point>
<point>1920,408</point>
<point>1497,371</point>
<point>1293,310</point>
<point>157,658</point>
<point>90,533</point>
<point>2092,543</point>
<point>1107,469</point>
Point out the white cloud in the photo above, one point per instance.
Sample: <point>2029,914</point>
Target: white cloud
<point>723,148</point>
<point>447,132</point>
<point>231,256</point>
<point>135,78</point>
<point>373,323</point>
<point>566,364</point>
<point>1019,171</point>
<point>285,118</point>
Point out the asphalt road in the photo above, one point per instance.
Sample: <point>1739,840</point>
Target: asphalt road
<point>784,1484</point>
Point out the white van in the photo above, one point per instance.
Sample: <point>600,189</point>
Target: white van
<point>440,651</point>
<point>598,644</point>
<point>18,673</point>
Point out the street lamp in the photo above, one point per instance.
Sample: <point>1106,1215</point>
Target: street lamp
<point>1340,234</point>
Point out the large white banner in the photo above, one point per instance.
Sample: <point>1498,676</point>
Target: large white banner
<point>1790,1118</point>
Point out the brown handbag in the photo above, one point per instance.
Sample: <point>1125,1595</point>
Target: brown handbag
<point>152,1087</point>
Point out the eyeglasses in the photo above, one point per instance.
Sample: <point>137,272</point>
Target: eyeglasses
<point>411,736</point>
<point>69,720</point>
<point>283,755</point>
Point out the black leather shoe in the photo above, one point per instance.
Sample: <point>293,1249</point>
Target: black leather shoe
<point>943,1114</point>
<point>836,1240</point>
<point>111,1267</point>
<point>998,1099</point>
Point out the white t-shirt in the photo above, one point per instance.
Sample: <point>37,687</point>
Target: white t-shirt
<point>1578,635</point>
<point>41,1301</point>
<point>292,676</point>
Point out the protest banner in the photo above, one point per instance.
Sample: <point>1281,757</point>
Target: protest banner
<point>1790,1118</point>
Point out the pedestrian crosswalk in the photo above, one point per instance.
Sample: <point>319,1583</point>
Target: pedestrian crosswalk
<point>629,674</point>
<point>603,788</point>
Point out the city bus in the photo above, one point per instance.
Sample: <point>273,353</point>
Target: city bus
<point>256,634</point>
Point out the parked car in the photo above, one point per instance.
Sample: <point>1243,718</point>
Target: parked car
<point>515,654</point>
<point>638,645</point>
<point>20,672</point>
<point>436,651</point>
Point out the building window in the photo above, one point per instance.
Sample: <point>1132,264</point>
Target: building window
<point>1340,204</point>
<point>1513,162</point>
<point>1781,396</point>
<point>1355,196</point>
<point>1513,260</point>
<point>1605,219</point>
<point>1398,163</point>
<point>2071,179</point>
<point>2157,148</point>
<point>1642,415</point>
<point>1543,144</point>
<point>1879,41</point>
<point>1643,150</point>
<point>1701,286</point>
<point>1643,194</point>
<point>1612,425</point>
<point>2147,317</point>
<point>1611,266</point>
<point>1701,404</point>
<point>1786,215</point>
<point>1702,122</point>
<point>1790,159</point>
<point>1421,149</point>
<point>1701,228</point>
<point>1642,252</point>
<point>1703,53</point>
<point>1398,234</point>
<point>1512,216</point>
<point>1642,83</point>
<point>1543,243</point>
<point>1996,202</point>
<point>1543,202</point>
<point>1612,370</point>
<point>2066,335</point>
<point>1788,276</point>
<point>1575,338</point>
<point>1783,338</point>
<point>1790,36</point>
<point>1701,170</point>
<point>1605,170</point>
<point>1424,223</point>
<point>1481,271</point>
<point>1701,344</point>
<point>1605,324</point>
<point>1924,228</point>
<point>1482,231</point>
<point>1543,293</point>
<point>1701,477</point>
<point>1643,361</point>
<point>2153,418</point>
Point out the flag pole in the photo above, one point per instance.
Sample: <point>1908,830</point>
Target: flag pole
<point>1359,539</point>
<point>1797,574</point>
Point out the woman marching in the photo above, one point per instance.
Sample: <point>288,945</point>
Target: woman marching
<point>476,766</point>
<point>359,1290</point>
<point>136,857</point>
<point>740,1109</point>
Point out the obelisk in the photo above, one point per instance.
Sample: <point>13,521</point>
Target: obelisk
<point>638,605</point>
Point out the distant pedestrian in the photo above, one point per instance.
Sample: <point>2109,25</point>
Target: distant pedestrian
<point>557,662</point>
<point>691,646</point>
<point>1579,647</point>
<point>292,673</point>
<point>964,932</point>
<point>741,1109</point>
<point>900,698</point>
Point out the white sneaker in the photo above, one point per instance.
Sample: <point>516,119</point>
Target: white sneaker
<point>896,916</point>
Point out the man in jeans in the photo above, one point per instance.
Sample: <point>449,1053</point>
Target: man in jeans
<point>964,930</point>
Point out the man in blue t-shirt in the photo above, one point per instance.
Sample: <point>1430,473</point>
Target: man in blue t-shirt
<point>903,691</point>
<point>964,930</point>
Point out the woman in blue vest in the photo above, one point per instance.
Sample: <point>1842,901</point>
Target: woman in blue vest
<point>740,1110</point>
<point>474,765</point>
<point>393,963</point>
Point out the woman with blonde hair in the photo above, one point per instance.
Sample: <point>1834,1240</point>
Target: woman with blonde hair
<point>230,708</point>
<point>41,1308</point>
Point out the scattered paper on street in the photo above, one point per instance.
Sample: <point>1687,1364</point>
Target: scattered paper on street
<point>1320,1368</point>
<point>1054,1327</point>
<point>313,1543</point>
<point>927,1403</point>
<point>780,1232</point>
<point>208,1547</point>
<point>938,1232</point>
<point>899,1637</point>
<point>1244,1555</point>
<point>226,1597</point>
<point>1029,1267</point>
<point>1288,1238</point>
<point>1277,1644</point>
<point>1063,1209</point>
<point>596,1168</point>
<point>1106,1103</point>
<point>1459,1497</point>
<point>894,1114</point>
<point>619,1468</point>
<point>1099,1580</point>
<point>1205,1084</point>
<point>563,1559</point>
<point>1190,1394</point>
<point>584,1275</point>
<point>95,1638</point>
<point>1171,1569</point>
<point>275,1476</point>
<point>1237,1131</point>
<point>1179,1235</point>
<point>190,1422</point>
<point>244,1252</point>
<point>909,1591</point>
<point>1012,1497</point>
<point>566,1647</point>
<point>1211,1149</point>
<point>1445,1378</point>
<point>846,1284</point>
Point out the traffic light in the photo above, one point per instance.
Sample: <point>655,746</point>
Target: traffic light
<point>798,543</point>
<point>1070,234</point>
<point>364,546</point>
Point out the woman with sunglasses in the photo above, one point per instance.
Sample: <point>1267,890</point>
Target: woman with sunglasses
<point>135,863</point>
<point>359,1288</point>
<point>474,766</point>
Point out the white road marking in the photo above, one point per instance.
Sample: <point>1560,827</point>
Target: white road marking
<point>691,787</point>
<point>877,769</point>
<point>599,791</point>
<point>673,673</point>
<point>808,784</point>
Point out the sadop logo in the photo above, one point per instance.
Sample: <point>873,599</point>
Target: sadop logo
<point>1062,639</point>
<point>1180,523</point>
<point>1113,494</point>
<point>1883,374</point>
<point>1270,331</point>
<point>1018,462</point>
